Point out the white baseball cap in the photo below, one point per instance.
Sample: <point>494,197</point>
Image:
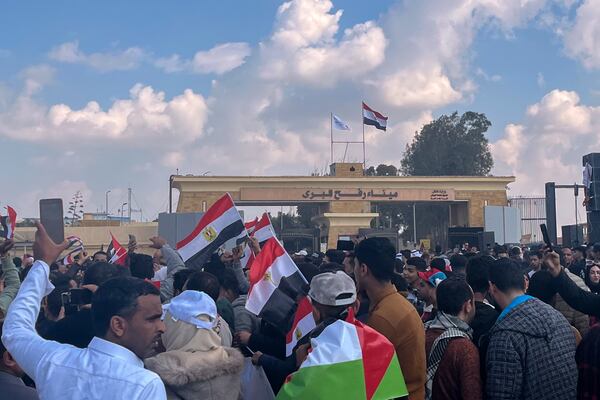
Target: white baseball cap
<point>191,304</point>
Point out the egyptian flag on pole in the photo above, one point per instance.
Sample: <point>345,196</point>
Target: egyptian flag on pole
<point>374,118</point>
<point>275,282</point>
<point>221,223</point>
<point>117,253</point>
<point>251,226</point>
<point>348,360</point>
<point>304,322</point>
<point>9,223</point>
<point>263,230</point>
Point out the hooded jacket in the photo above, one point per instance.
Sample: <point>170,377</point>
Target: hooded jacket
<point>531,355</point>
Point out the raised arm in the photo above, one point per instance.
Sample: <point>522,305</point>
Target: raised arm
<point>19,335</point>
<point>174,264</point>
<point>11,278</point>
<point>579,299</point>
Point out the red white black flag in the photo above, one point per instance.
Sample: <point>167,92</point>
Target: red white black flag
<point>9,223</point>
<point>221,223</point>
<point>275,283</point>
<point>116,252</point>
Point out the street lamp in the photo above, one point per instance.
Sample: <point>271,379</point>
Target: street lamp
<point>106,209</point>
<point>122,209</point>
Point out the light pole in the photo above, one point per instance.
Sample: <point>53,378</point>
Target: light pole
<point>106,209</point>
<point>122,209</point>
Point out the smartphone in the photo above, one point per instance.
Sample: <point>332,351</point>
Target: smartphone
<point>546,236</point>
<point>76,297</point>
<point>346,245</point>
<point>51,216</point>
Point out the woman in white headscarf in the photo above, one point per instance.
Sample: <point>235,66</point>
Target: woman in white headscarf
<point>195,364</point>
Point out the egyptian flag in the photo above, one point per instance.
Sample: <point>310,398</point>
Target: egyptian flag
<point>275,283</point>
<point>70,257</point>
<point>264,229</point>
<point>304,322</point>
<point>251,226</point>
<point>118,253</point>
<point>347,360</point>
<point>248,257</point>
<point>374,118</point>
<point>221,223</point>
<point>9,223</point>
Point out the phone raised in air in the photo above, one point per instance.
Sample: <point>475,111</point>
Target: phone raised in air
<point>546,236</point>
<point>51,216</point>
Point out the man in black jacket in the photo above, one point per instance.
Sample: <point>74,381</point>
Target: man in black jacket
<point>585,302</point>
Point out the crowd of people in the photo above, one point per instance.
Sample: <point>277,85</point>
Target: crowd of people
<point>509,323</point>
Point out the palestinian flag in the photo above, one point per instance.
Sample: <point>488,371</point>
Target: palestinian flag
<point>221,223</point>
<point>263,230</point>
<point>275,282</point>
<point>9,223</point>
<point>348,360</point>
<point>116,252</point>
<point>302,325</point>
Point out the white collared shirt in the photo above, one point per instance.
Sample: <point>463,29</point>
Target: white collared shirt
<point>104,370</point>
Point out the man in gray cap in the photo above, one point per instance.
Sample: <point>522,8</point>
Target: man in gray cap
<point>331,294</point>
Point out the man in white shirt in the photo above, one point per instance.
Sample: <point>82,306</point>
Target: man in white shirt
<point>127,324</point>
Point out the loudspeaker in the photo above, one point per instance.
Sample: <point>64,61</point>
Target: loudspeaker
<point>593,227</point>
<point>485,240</point>
<point>594,196</point>
<point>593,159</point>
<point>458,236</point>
<point>572,235</point>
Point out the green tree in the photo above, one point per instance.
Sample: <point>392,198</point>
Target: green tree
<point>382,170</point>
<point>451,145</point>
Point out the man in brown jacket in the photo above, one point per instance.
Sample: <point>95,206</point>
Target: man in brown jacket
<point>390,313</point>
<point>453,371</point>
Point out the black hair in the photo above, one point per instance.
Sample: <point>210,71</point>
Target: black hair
<point>451,294</point>
<point>54,299</point>
<point>515,251</point>
<point>458,263</point>
<point>100,272</point>
<point>17,261</point>
<point>141,266</point>
<point>438,263</point>
<point>500,249</point>
<point>478,275</point>
<point>541,285</point>
<point>118,296</point>
<point>228,281</point>
<point>101,253</point>
<point>405,254</point>
<point>537,253</point>
<point>206,282</point>
<point>506,274</point>
<point>309,270</point>
<point>180,278</point>
<point>378,254</point>
<point>418,263</point>
<point>400,283</point>
<point>329,267</point>
<point>329,312</point>
<point>335,256</point>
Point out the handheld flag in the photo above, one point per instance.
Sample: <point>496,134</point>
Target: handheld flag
<point>263,229</point>
<point>117,253</point>
<point>304,322</point>
<point>275,282</point>
<point>251,226</point>
<point>221,223</point>
<point>338,124</point>
<point>70,257</point>
<point>348,360</point>
<point>374,118</point>
<point>9,223</point>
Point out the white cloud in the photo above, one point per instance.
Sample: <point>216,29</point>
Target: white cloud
<point>303,46</point>
<point>173,159</point>
<point>146,119</point>
<point>582,40</point>
<point>36,77</point>
<point>218,60</point>
<point>540,80</point>
<point>121,60</point>
<point>547,146</point>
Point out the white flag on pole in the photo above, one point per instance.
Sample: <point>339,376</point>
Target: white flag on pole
<point>339,124</point>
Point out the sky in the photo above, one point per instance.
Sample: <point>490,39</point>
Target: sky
<point>98,96</point>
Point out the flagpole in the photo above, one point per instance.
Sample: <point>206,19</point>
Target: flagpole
<point>331,134</point>
<point>364,147</point>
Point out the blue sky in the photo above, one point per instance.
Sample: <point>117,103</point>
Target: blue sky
<point>239,87</point>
